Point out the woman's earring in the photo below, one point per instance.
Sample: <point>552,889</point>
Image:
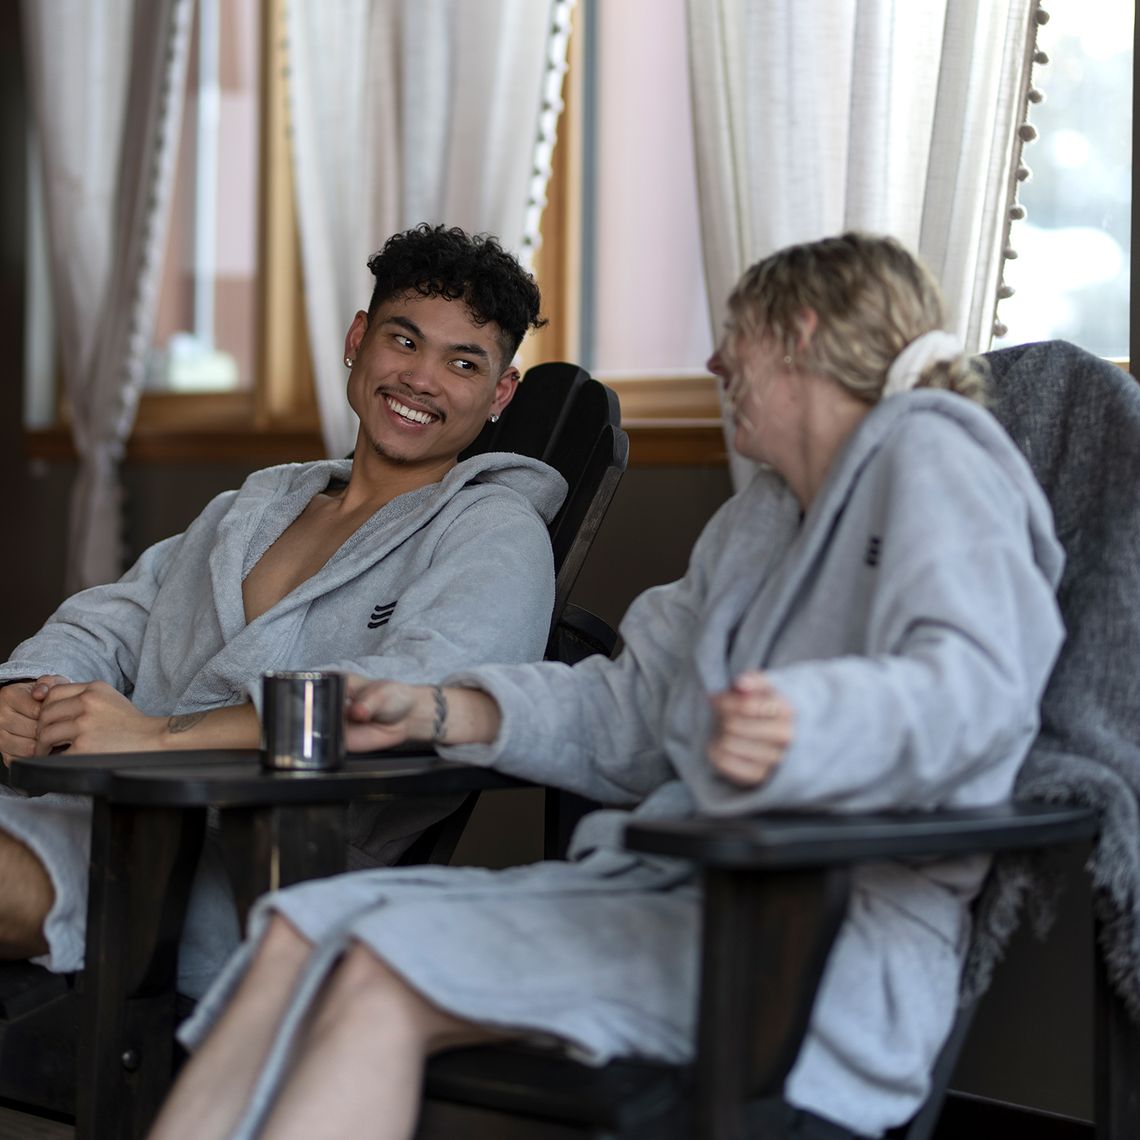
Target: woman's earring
<point>494,417</point>
<point>349,362</point>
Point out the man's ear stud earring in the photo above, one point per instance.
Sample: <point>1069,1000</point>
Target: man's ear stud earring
<point>348,362</point>
<point>494,417</point>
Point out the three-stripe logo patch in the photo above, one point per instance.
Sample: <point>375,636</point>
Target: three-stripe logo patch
<point>381,615</point>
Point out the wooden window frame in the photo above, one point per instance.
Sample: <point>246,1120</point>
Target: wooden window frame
<point>277,419</point>
<point>671,420</point>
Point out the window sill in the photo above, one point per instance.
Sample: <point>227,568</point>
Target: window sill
<point>671,421</point>
<point>198,428</point>
<point>198,444</point>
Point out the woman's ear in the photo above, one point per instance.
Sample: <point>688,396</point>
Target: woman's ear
<point>807,321</point>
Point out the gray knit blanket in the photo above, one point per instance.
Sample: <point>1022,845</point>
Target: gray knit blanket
<point>1077,420</point>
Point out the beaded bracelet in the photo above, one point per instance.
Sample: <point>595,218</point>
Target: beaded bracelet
<point>440,714</point>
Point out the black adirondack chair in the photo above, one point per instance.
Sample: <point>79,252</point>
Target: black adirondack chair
<point>563,416</point>
<point>775,887</point>
<point>113,1023</point>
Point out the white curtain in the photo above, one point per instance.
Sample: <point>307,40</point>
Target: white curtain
<point>893,116</point>
<point>405,112</point>
<point>106,83</point>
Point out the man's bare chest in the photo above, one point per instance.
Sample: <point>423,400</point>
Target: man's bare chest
<point>301,551</point>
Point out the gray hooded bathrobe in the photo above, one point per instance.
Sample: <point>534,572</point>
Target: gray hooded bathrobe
<point>417,591</point>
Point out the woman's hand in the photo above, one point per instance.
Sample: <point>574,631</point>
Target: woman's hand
<point>382,714</point>
<point>753,729</point>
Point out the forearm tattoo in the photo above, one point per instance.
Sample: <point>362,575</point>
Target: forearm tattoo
<point>183,723</point>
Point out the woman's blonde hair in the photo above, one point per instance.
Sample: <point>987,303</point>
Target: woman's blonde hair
<point>871,298</point>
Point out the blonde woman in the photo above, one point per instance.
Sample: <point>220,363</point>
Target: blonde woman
<point>868,625</point>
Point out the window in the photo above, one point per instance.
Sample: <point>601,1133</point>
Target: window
<point>650,306</point>
<point>229,375</point>
<point>621,260</point>
<point>1071,275</point>
<point>643,311</point>
<point>204,338</point>
<point>620,263</point>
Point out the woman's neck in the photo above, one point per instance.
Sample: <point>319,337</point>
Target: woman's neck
<point>830,415</point>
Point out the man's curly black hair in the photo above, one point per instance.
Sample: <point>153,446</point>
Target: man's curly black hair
<point>438,261</point>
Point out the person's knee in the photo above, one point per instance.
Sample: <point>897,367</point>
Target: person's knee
<point>282,945</point>
<point>277,963</point>
<point>26,897</point>
<point>360,974</point>
<point>364,988</point>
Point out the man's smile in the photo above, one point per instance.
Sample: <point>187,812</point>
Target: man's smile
<point>412,415</point>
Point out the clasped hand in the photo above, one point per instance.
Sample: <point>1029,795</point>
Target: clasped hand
<point>752,729</point>
<point>52,713</point>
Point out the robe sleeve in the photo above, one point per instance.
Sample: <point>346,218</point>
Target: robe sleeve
<point>595,728</point>
<point>97,634</point>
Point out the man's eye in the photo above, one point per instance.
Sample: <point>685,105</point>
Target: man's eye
<point>404,341</point>
<point>465,365</point>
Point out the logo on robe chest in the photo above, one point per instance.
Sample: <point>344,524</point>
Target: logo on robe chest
<point>874,545</point>
<point>381,615</point>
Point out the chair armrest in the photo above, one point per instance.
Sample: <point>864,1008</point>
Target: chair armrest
<point>776,889</point>
<point>791,841</point>
<point>578,634</point>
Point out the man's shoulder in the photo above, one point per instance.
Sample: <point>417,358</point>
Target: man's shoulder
<point>505,477</point>
<point>259,491</point>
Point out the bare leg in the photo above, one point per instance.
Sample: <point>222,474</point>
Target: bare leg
<point>362,1065</point>
<point>26,897</point>
<point>212,1090</point>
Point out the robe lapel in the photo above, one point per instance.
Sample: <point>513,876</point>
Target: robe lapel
<point>749,644</point>
<point>270,640</point>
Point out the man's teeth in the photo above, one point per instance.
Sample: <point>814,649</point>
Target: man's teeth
<point>410,413</point>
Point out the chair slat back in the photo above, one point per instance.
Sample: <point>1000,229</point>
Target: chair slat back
<point>566,418</point>
<point>531,420</point>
